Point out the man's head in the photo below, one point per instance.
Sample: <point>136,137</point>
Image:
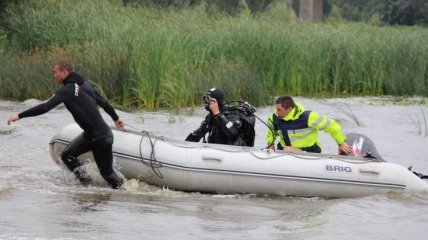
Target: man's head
<point>214,93</point>
<point>62,69</point>
<point>284,105</point>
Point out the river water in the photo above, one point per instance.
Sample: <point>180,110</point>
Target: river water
<point>39,200</point>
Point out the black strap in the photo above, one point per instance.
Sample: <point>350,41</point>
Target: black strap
<point>284,134</point>
<point>314,148</point>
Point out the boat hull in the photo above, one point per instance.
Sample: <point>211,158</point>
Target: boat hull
<point>214,168</point>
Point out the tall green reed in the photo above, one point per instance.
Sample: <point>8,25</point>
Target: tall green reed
<point>145,57</point>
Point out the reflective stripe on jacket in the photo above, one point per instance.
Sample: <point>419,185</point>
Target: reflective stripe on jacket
<point>302,127</point>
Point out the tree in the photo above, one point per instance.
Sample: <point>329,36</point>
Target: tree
<point>406,12</point>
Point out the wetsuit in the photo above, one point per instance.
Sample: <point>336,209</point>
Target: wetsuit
<point>81,99</point>
<point>224,128</point>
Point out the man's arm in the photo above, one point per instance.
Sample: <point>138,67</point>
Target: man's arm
<point>40,109</point>
<point>196,135</point>
<point>102,102</point>
<point>270,134</point>
<point>331,127</point>
<point>229,124</point>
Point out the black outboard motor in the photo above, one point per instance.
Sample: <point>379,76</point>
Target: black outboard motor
<point>362,146</point>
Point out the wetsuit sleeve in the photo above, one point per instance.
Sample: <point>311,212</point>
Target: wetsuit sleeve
<point>230,124</point>
<point>102,102</point>
<point>40,109</point>
<point>196,135</point>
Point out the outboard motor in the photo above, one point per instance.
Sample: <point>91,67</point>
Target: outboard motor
<point>362,146</point>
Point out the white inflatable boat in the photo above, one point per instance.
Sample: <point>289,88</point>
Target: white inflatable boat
<point>214,168</point>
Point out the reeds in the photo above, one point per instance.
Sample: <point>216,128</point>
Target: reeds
<point>154,58</point>
<point>421,126</point>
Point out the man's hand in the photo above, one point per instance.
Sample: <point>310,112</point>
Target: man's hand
<point>214,106</point>
<point>291,149</point>
<point>271,146</point>
<point>119,123</point>
<point>12,118</point>
<point>345,148</point>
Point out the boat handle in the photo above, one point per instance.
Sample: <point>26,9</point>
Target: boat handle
<point>212,157</point>
<point>369,169</point>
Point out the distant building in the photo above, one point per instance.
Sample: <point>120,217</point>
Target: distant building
<point>310,10</point>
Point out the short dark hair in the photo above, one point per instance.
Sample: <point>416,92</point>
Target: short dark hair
<point>285,101</point>
<point>66,64</point>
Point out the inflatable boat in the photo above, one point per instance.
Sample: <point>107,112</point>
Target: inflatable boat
<point>223,169</point>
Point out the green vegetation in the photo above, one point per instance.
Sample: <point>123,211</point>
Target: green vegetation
<point>150,57</point>
<point>392,12</point>
<point>385,12</point>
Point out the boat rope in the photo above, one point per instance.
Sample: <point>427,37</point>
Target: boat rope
<point>306,156</point>
<point>136,129</point>
<point>420,175</point>
<point>155,165</point>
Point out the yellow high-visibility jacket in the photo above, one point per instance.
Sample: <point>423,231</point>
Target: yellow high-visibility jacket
<point>300,128</point>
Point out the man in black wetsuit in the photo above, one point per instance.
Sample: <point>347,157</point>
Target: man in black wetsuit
<point>81,99</point>
<point>223,125</point>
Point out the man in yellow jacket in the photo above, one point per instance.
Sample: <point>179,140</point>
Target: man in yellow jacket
<point>297,129</point>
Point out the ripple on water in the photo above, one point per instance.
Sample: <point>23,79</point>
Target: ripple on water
<point>7,130</point>
<point>4,189</point>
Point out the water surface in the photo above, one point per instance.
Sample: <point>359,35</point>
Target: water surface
<point>39,200</point>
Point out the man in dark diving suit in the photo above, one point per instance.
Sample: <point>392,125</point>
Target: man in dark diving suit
<point>81,99</point>
<point>222,125</point>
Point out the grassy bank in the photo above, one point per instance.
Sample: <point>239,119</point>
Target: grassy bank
<point>164,58</point>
